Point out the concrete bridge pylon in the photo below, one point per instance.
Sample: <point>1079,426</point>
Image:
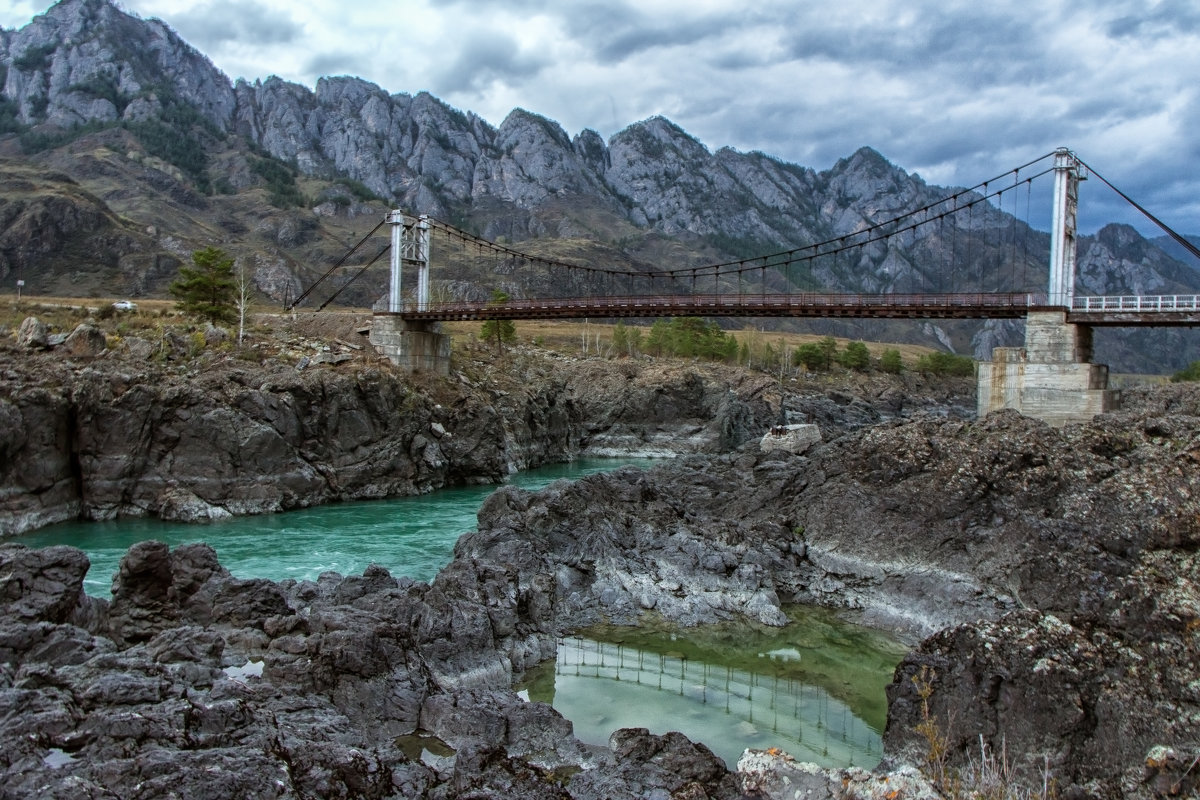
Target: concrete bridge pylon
<point>1051,377</point>
<point>412,344</point>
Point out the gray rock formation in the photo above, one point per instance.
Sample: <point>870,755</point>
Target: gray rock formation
<point>192,683</point>
<point>101,443</point>
<point>32,333</point>
<point>120,437</point>
<point>87,61</point>
<point>1050,568</point>
<point>1056,565</point>
<point>86,341</point>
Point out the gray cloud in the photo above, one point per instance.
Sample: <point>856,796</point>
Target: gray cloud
<point>484,58</point>
<point>220,21</point>
<point>1171,17</point>
<point>335,63</point>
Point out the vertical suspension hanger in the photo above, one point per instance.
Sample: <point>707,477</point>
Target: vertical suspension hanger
<point>1025,238</point>
<point>971,244</point>
<point>1012,234</point>
<point>954,243</point>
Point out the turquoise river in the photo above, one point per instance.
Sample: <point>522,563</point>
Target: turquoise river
<point>814,688</point>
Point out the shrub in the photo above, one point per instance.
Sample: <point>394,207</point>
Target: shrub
<point>946,364</point>
<point>1189,373</point>
<point>890,362</point>
<point>34,58</point>
<point>813,356</point>
<point>855,357</point>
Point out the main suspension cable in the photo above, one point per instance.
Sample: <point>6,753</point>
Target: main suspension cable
<point>1180,240</point>
<point>339,263</point>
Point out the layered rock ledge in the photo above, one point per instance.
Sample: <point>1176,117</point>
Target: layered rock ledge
<point>192,683</point>
<point>130,434</point>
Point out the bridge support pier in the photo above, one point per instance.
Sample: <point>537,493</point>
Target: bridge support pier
<point>411,345</point>
<point>1051,377</point>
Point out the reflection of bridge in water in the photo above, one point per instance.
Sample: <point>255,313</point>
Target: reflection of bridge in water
<point>726,708</point>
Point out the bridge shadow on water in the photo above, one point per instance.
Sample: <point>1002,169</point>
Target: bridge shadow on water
<point>816,692</point>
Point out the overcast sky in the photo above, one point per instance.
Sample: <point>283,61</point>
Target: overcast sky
<point>956,91</point>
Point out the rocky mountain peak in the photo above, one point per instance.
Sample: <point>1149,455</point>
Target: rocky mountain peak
<point>87,61</point>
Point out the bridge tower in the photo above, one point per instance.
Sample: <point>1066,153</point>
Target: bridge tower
<point>410,344</point>
<point>1052,377</point>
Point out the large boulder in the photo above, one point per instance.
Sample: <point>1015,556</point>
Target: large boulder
<point>86,341</point>
<point>33,333</point>
<point>794,439</point>
<point>43,585</point>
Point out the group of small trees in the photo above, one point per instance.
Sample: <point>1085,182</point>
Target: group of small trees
<point>691,337</point>
<point>626,341</point>
<point>1189,373</point>
<point>211,291</point>
<point>822,354</point>
<point>938,363</point>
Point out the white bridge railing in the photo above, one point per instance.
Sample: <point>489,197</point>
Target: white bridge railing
<point>1136,303</point>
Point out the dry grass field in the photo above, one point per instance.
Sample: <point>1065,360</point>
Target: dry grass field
<point>560,335</point>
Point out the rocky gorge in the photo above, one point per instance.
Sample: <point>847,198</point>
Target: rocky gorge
<point>172,429</point>
<point>1045,579</point>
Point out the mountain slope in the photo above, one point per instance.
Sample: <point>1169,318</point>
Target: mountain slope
<point>286,178</point>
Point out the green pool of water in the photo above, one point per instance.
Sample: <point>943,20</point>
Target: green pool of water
<point>814,688</point>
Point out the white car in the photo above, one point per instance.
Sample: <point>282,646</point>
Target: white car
<point>124,305</point>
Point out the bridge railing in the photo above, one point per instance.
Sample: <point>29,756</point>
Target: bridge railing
<point>749,302</point>
<point>1138,303</point>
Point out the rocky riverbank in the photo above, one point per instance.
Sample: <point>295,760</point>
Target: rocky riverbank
<point>191,431</point>
<point>1053,569</point>
<point>1053,572</point>
<point>190,683</point>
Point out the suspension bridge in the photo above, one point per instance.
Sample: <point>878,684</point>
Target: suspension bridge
<point>969,234</point>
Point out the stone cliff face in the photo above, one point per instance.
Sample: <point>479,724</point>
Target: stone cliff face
<point>97,444</point>
<point>87,61</point>
<point>115,438</point>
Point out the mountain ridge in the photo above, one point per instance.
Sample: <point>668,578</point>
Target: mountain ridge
<point>138,117</point>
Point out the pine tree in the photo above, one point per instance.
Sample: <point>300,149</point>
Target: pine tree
<point>855,356</point>
<point>890,361</point>
<point>208,290</point>
<point>499,330</point>
<point>620,339</point>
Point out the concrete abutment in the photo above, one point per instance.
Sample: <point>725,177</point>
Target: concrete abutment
<point>1051,377</point>
<point>413,346</point>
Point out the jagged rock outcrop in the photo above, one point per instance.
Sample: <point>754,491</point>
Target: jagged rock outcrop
<point>194,683</point>
<point>87,61</point>
<point>1050,567</point>
<point>106,441</point>
<point>100,439</point>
